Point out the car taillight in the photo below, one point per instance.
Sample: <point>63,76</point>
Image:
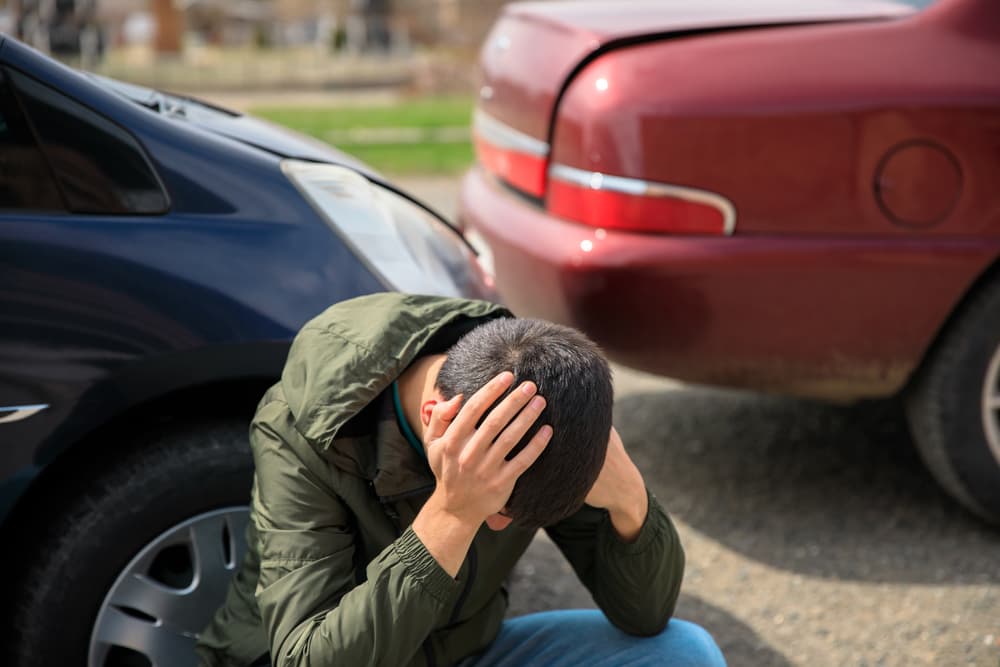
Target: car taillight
<point>593,198</point>
<point>512,156</point>
<point>630,204</point>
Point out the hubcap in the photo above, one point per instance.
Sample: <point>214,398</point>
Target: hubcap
<point>991,405</point>
<point>167,594</point>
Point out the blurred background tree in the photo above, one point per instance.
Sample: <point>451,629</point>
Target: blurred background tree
<point>392,81</point>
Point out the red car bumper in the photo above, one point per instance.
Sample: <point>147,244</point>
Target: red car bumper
<point>823,317</point>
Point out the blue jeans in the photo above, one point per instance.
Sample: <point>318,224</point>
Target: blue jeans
<point>586,637</point>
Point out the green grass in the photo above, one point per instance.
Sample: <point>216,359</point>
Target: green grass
<point>414,159</point>
<point>428,112</point>
<point>423,157</point>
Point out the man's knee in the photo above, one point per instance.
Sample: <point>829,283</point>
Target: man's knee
<point>689,645</point>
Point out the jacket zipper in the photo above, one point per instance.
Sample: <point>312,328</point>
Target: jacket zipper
<point>429,652</point>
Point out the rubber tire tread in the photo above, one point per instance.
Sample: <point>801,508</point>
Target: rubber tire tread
<point>943,406</point>
<point>160,481</point>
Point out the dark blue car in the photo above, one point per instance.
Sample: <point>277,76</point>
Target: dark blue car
<point>157,254</point>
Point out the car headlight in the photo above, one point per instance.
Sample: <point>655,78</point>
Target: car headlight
<point>408,248</point>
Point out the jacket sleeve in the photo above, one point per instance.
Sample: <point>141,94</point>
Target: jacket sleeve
<point>636,584</point>
<point>313,608</point>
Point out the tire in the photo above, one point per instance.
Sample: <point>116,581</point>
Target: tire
<point>113,584</point>
<point>953,405</point>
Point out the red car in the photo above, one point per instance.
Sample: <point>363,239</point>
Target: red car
<point>801,197</point>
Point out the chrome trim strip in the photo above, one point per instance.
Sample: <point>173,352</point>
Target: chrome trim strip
<point>504,136</point>
<point>16,413</point>
<point>634,186</point>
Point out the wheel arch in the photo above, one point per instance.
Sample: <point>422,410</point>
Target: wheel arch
<point>230,400</point>
<point>51,492</point>
<point>988,276</point>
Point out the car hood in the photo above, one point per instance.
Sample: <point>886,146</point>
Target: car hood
<point>234,125</point>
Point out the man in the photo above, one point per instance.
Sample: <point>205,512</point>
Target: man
<point>403,424</point>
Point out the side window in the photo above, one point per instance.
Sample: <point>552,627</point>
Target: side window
<point>100,168</point>
<point>25,180</point>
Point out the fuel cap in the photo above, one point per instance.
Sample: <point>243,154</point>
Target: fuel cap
<point>918,183</point>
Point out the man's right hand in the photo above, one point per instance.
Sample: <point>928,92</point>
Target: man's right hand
<point>474,477</point>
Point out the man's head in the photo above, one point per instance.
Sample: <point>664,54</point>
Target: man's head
<point>575,380</point>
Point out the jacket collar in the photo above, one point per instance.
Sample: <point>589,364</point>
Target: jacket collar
<point>383,456</point>
<point>400,470</point>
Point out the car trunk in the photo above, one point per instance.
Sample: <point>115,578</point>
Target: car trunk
<point>535,48</point>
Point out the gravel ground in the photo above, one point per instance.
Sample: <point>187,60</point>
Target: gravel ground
<point>814,536</point>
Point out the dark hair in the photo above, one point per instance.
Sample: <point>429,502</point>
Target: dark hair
<point>573,376</point>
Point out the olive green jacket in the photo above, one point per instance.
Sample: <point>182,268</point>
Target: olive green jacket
<point>334,575</point>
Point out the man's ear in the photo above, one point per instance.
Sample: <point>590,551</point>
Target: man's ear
<point>426,408</point>
<point>430,399</point>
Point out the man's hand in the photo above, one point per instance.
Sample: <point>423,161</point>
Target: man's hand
<point>619,489</point>
<point>474,479</point>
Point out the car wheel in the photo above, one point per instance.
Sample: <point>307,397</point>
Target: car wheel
<point>954,406</point>
<point>138,563</point>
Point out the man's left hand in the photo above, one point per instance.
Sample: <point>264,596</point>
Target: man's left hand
<point>620,490</point>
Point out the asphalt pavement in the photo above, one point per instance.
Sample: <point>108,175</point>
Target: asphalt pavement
<point>814,535</point>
